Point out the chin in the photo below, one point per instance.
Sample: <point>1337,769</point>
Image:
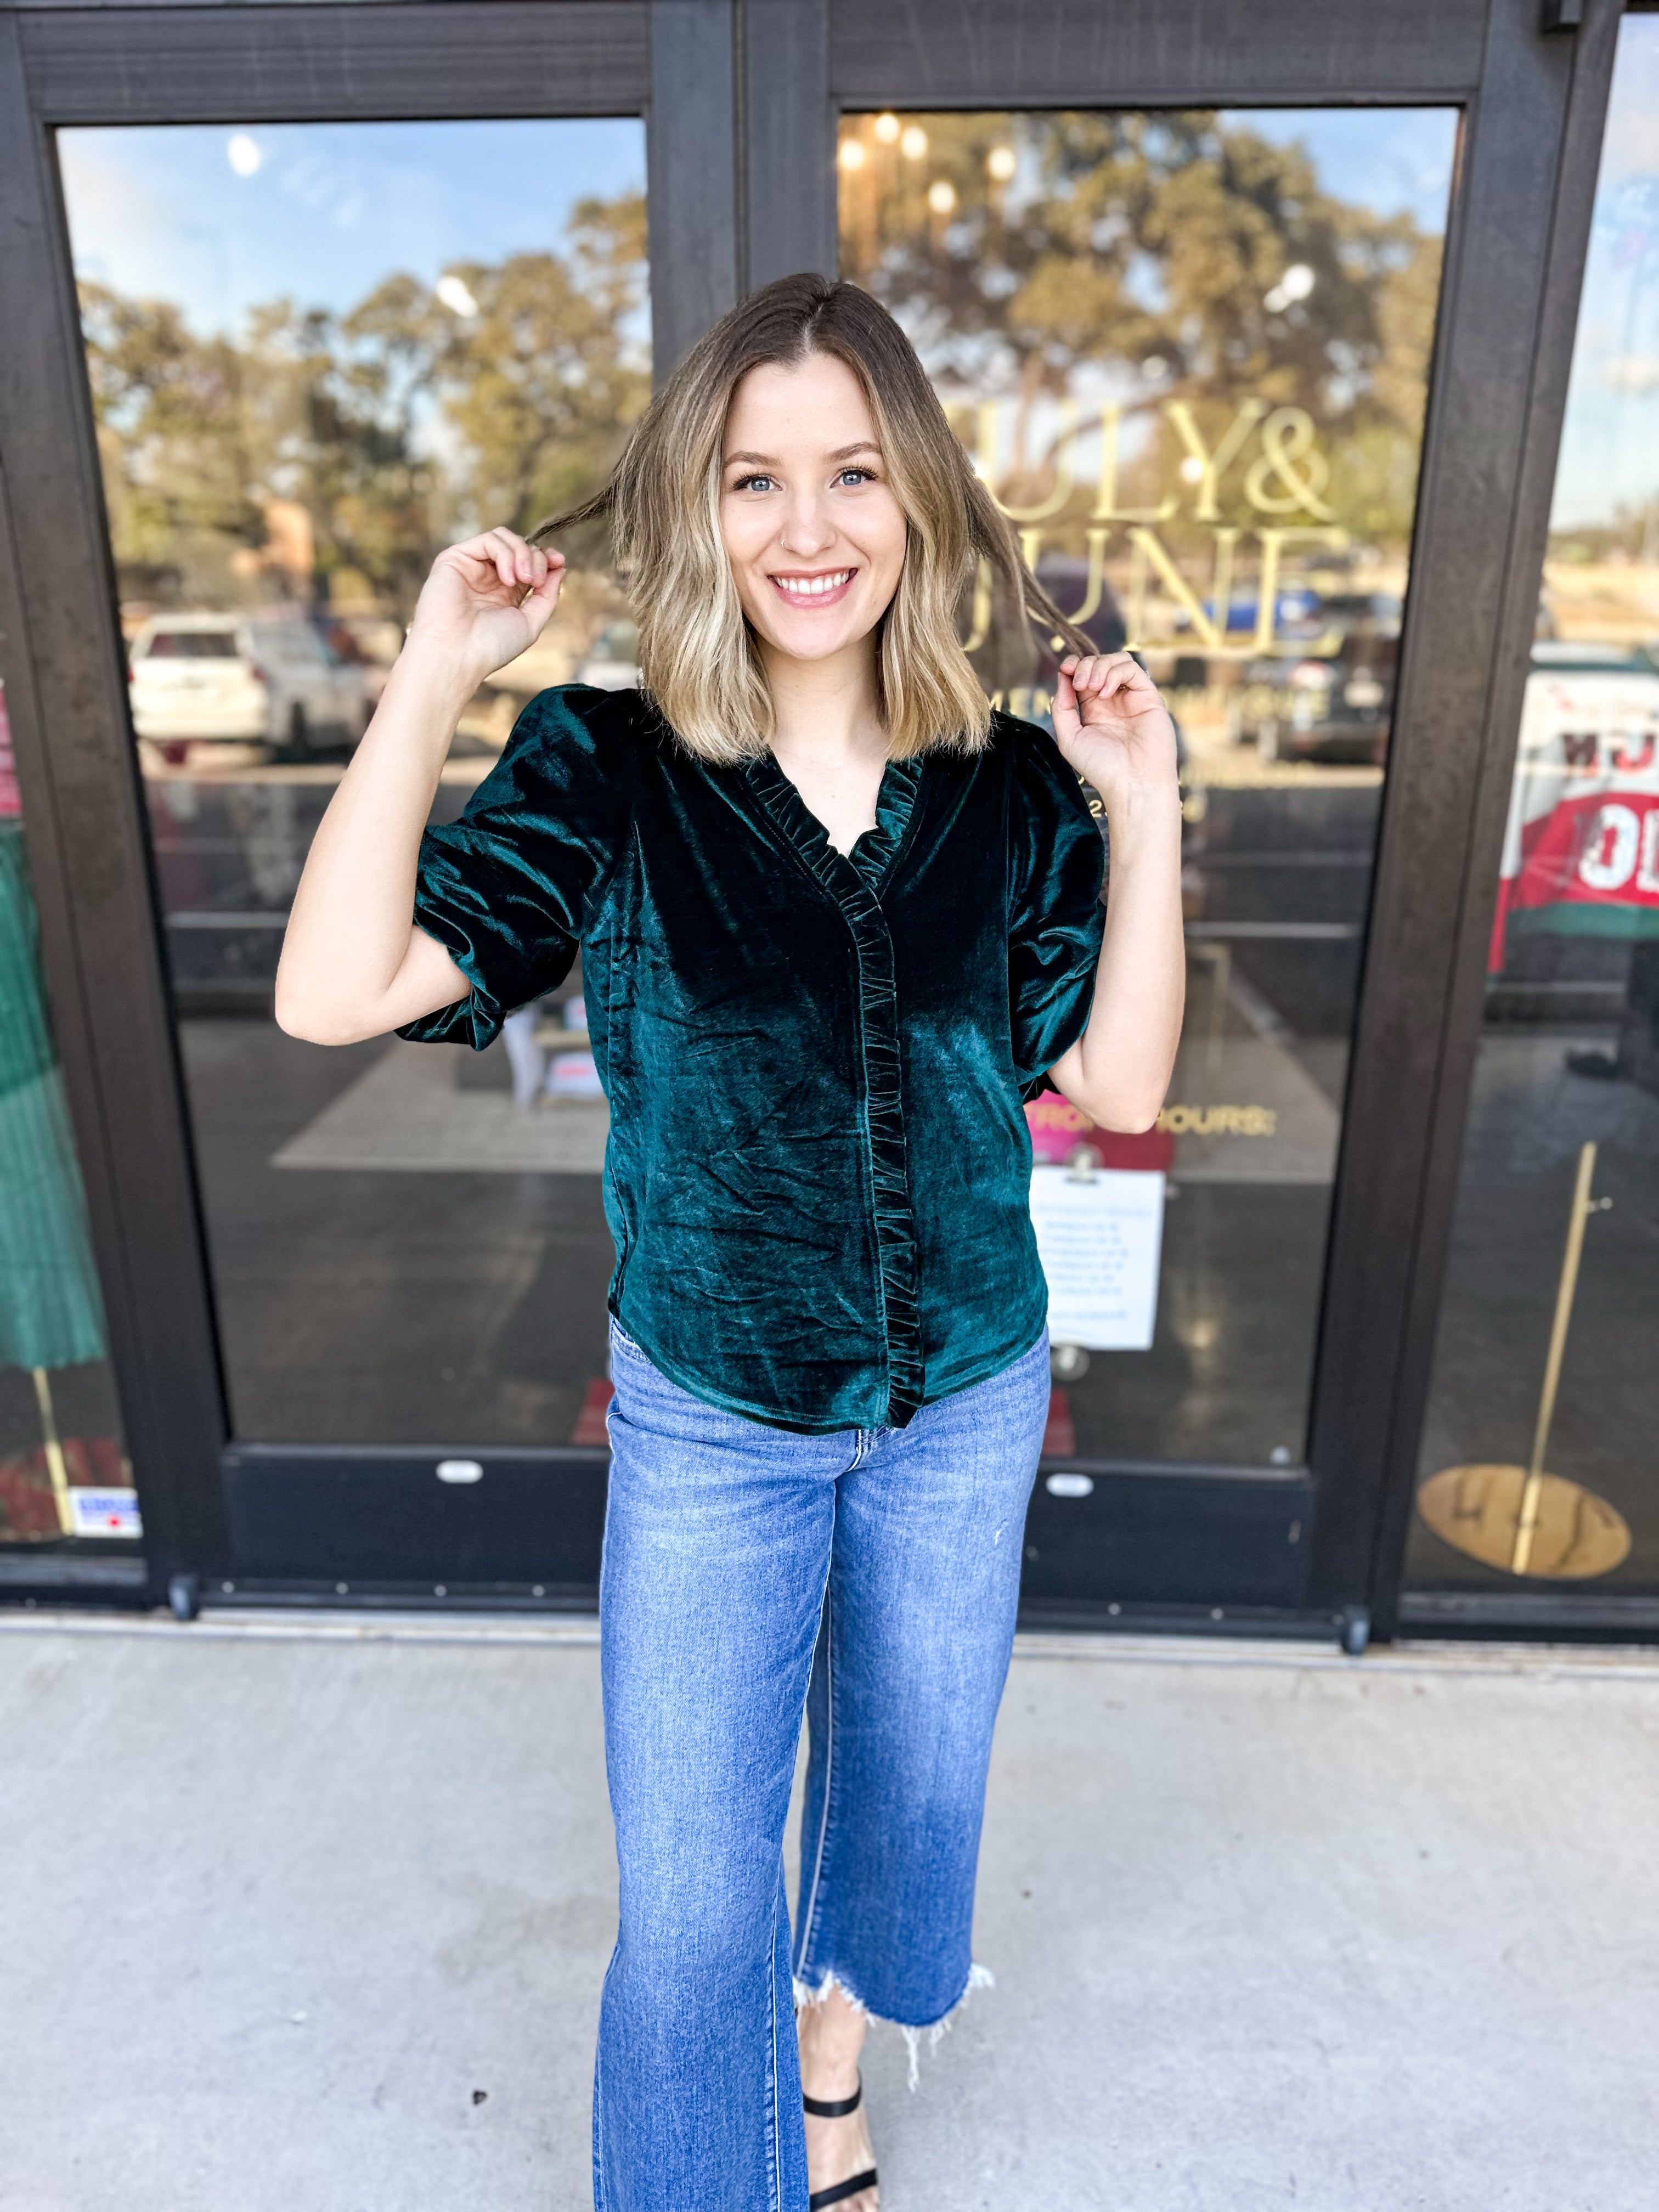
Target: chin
<point>807,637</point>
<point>816,646</point>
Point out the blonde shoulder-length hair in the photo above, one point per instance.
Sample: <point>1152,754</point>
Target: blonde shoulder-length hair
<point>699,658</point>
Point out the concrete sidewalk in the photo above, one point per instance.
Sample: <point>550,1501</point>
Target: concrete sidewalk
<point>312,1916</point>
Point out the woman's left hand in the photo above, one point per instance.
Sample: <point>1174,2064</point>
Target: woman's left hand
<point>1112,726</point>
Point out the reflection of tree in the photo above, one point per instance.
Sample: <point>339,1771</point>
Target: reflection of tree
<point>538,384</point>
<point>176,461</point>
<point>392,427</point>
<point>1153,246</point>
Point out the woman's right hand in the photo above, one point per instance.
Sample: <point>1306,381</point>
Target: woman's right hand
<point>355,964</point>
<point>486,601</point>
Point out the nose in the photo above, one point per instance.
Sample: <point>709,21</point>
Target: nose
<point>807,529</point>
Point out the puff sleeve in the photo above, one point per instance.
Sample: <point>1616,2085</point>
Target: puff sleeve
<point>509,888</point>
<point>1056,917</point>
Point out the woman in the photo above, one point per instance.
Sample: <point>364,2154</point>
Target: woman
<point>835,918</point>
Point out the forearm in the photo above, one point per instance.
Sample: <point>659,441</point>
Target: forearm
<point>350,932</point>
<point>1118,1071</point>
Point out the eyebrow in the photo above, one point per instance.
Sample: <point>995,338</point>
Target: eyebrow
<point>840,453</point>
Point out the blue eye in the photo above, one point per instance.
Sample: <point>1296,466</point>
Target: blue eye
<point>860,476</point>
<point>758,482</point>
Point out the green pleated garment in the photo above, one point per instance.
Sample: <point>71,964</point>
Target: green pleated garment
<point>818,1171</point>
<point>50,1313</point>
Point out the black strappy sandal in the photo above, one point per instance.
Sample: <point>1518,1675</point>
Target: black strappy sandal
<point>838,2108</point>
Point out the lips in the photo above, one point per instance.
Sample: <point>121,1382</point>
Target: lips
<point>822,590</point>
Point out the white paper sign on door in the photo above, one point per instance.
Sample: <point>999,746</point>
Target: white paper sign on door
<point>1099,1241</point>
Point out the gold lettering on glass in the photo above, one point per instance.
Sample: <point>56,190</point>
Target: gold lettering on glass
<point>1288,475</point>
<point>1065,483</point>
<point>1288,437</point>
<point>1106,506</point>
<point>1209,626</point>
<point>1212,467</point>
<point>1274,543</point>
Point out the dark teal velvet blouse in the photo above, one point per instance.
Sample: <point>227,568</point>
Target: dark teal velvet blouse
<point>818,1171</point>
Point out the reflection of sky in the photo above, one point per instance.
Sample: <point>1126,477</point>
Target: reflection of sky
<point>331,209</point>
<point>1610,441</point>
<point>1393,161</point>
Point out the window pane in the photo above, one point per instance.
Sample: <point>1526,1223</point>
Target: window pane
<point>1538,1452</point>
<point>318,354</point>
<point>1188,352</point>
<point>64,1476</point>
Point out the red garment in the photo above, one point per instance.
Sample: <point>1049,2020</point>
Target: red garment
<point>11,798</point>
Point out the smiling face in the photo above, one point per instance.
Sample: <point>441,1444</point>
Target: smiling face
<point>811,526</point>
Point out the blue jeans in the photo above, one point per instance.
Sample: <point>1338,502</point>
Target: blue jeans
<point>742,1564</point>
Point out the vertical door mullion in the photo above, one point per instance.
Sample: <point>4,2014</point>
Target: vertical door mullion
<point>788,140</point>
<point>691,162</point>
<point>83,813</point>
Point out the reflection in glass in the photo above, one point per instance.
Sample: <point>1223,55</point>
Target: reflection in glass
<point>1538,1458</point>
<point>318,354</point>
<point>63,1473</point>
<point>1190,353</point>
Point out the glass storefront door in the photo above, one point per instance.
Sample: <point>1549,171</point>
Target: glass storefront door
<point>317,354</point>
<point>1537,1470</point>
<point>1190,353</point>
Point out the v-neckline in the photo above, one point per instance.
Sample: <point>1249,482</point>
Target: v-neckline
<point>873,851</point>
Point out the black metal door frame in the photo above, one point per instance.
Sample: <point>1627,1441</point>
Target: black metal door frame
<point>742,98</point>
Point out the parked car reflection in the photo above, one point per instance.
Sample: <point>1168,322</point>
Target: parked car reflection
<point>369,644</point>
<point>1334,702</point>
<point>268,680</point>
